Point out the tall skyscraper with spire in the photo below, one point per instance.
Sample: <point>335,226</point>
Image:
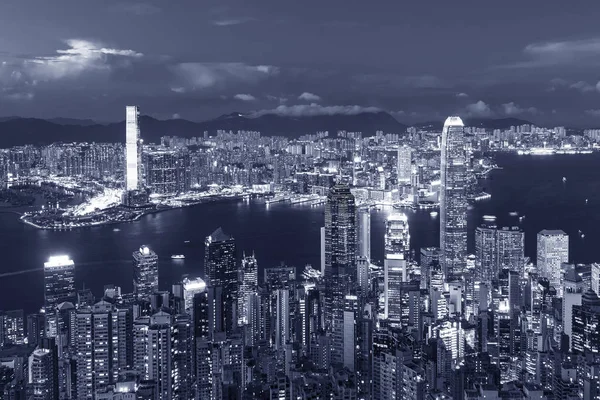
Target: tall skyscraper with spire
<point>453,197</point>
<point>133,149</point>
<point>340,260</point>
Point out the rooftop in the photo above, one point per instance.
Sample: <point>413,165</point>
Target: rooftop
<point>219,236</point>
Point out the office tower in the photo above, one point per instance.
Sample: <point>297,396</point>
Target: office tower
<point>364,234</point>
<point>43,371</point>
<point>145,273</point>
<point>552,252</point>
<point>394,276</point>
<point>397,237</point>
<point>486,255</point>
<point>453,197</point>
<point>511,249</point>
<point>404,164</point>
<point>340,260</point>
<point>133,149</point>
<point>221,270</point>
<point>248,287</point>
<point>191,288</point>
<point>59,282</point>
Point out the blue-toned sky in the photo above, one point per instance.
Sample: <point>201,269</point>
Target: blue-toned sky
<point>196,59</point>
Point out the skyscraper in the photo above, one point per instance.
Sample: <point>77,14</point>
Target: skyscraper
<point>59,282</point>
<point>43,371</point>
<point>340,260</point>
<point>552,252</point>
<point>102,345</point>
<point>133,149</point>
<point>453,197</point>
<point>191,287</point>
<point>221,271</point>
<point>397,237</point>
<point>145,273</point>
<point>364,234</point>
<point>249,286</point>
<point>404,164</point>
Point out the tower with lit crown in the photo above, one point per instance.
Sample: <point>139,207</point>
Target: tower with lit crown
<point>145,273</point>
<point>453,197</point>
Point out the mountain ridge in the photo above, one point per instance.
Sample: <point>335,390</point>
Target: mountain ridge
<point>16,131</point>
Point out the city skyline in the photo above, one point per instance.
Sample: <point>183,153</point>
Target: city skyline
<point>320,243</point>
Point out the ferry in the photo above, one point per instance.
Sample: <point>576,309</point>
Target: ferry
<point>564,179</point>
<point>177,257</point>
<point>433,214</point>
<point>116,230</point>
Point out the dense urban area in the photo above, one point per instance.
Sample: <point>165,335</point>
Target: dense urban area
<point>440,324</point>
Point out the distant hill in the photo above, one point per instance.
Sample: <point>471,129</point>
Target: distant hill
<point>19,131</point>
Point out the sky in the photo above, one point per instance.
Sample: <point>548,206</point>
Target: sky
<point>419,60</point>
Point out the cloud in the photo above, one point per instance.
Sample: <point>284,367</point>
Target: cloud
<point>232,21</point>
<point>479,109</point>
<point>176,116</point>
<point>514,109</point>
<point>311,110</point>
<point>562,52</point>
<point>583,87</point>
<point>462,94</point>
<point>81,55</point>
<point>178,89</point>
<point>306,96</point>
<point>244,97</point>
<point>139,9</point>
<point>205,75</point>
<point>593,113</point>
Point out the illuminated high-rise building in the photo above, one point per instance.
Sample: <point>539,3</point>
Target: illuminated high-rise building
<point>453,197</point>
<point>191,287</point>
<point>43,371</point>
<point>552,252</point>
<point>486,254</point>
<point>397,237</point>
<point>59,282</point>
<point>340,261</point>
<point>145,273</point>
<point>248,287</point>
<point>133,149</point>
<point>364,234</point>
<point>221,271</point>
<point>404,164</point>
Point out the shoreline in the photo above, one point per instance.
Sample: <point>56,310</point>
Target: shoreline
<point>141,213</point>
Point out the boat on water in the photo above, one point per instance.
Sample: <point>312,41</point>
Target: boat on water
<point>187,242</point>
<point>433,214</point>
<point>177,257</point>
<point>564,179</point>
<point>116,230</point>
